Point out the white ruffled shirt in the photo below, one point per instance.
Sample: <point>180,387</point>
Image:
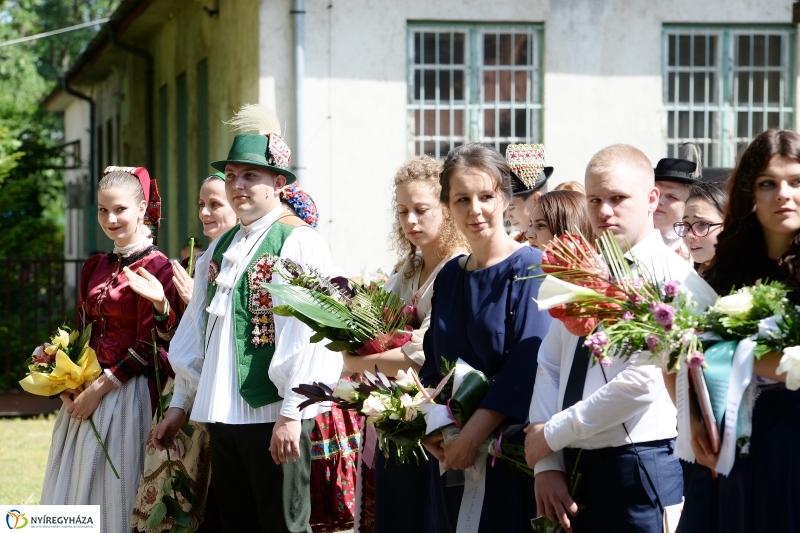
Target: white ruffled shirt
<point>206,380</point>
<point>634,395</point>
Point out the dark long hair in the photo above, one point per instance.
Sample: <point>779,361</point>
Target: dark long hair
<point>741,255</point>
<point>714,194</point>
<point>566,212</point>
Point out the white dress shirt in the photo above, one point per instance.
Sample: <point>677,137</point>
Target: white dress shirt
<point>676,244</point>
<point>629,394</point>
<point>207,380</point>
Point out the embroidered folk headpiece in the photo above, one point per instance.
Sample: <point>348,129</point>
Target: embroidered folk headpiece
<point>302,203</point>
<point>527,163</point>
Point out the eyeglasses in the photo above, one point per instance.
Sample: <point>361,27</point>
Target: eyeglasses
<point>700,229</point>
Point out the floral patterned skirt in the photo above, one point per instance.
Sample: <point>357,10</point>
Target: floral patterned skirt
<point>196,464</point>
<point>335,441</point>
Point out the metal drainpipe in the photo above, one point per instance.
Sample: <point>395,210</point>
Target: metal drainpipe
<point>298,17</point>
<point>149,90</point>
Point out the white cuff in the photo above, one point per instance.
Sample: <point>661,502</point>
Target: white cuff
<point>413,354</point>
<point>558,430</point>
<point>289,406</point>
<point>554,461</point>
<point>181,399</point>
<point>117,383</point>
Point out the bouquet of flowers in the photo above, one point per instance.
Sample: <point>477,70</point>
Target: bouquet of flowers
<point>629,312</point>
<point>404,412</point>
<point>362,319</point>
<point>66,362</point>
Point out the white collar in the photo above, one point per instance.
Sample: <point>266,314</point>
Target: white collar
<point>233,259</point>
<point>672,239</point>
<point>127,251</point>
<point>647,246</point>
<point>263,222</point>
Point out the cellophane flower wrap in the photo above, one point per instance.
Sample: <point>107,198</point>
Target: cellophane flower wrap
<point>66,362</point>
<point>362,319</point>
<point>764,313</point>
<point>405,413</point>
<point>618,305</point>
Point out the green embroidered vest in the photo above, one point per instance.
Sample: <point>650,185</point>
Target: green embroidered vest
<point>253,326</point>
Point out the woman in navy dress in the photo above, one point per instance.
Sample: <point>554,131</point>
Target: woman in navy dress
<point>483,315</point>
<point>762,223</point>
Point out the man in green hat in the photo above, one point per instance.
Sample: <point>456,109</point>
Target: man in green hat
<point>236,363</point>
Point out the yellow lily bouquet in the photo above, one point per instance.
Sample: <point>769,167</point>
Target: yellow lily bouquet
<point>67,362</point>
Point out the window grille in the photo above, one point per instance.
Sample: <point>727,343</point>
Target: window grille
<point>473,83</point>
<point>725,85</point>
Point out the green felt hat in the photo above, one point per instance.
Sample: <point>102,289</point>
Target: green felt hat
<point>268,151</point>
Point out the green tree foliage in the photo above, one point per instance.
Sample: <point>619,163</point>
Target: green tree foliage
<point>31,170</point>
<point>31,179</point>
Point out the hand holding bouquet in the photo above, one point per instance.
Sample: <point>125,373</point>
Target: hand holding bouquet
<point>65,363</point>
<point>404,412</point>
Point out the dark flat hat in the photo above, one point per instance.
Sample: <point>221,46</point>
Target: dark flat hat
<point>678,170</point>
<point>528,170</point>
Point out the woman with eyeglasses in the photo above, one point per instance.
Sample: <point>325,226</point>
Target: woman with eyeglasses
<point>702,221</point>
<point>761,241</point>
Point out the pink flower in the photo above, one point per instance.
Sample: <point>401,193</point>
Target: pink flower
<point>596,341</point>
<point>663,313</point>
<point>627,315</point>
<point>671,288</point>
<point>652,342</point>
<point>41,357</point>
<point>606,361</point>
<point>696,359</point>
<point>384,342</point>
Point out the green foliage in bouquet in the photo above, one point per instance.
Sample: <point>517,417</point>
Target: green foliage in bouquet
<point>786,333</point>
<point>737,315</point>
<point>349,315</point>
<point>392,406</point>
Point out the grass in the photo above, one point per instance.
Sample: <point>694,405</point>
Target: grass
<point>24,444</point>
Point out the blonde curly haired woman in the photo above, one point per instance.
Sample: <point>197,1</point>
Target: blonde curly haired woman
<point>425,237</point>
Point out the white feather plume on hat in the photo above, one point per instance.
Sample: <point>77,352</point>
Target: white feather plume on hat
<point>254,117</point>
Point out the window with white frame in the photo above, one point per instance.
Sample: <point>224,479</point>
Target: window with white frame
<point>725,85</point>
<point>473,83</point>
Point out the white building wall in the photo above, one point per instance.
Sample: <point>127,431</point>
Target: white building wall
<point>76,128</point>
<point>602,85</point>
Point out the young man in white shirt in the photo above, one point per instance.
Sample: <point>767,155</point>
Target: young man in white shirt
<point>621,417</point>
<point>674,177</point>
<point>236,363</point>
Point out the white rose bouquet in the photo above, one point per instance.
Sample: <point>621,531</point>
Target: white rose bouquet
<point>738,315</point>
<point>404,412</point>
